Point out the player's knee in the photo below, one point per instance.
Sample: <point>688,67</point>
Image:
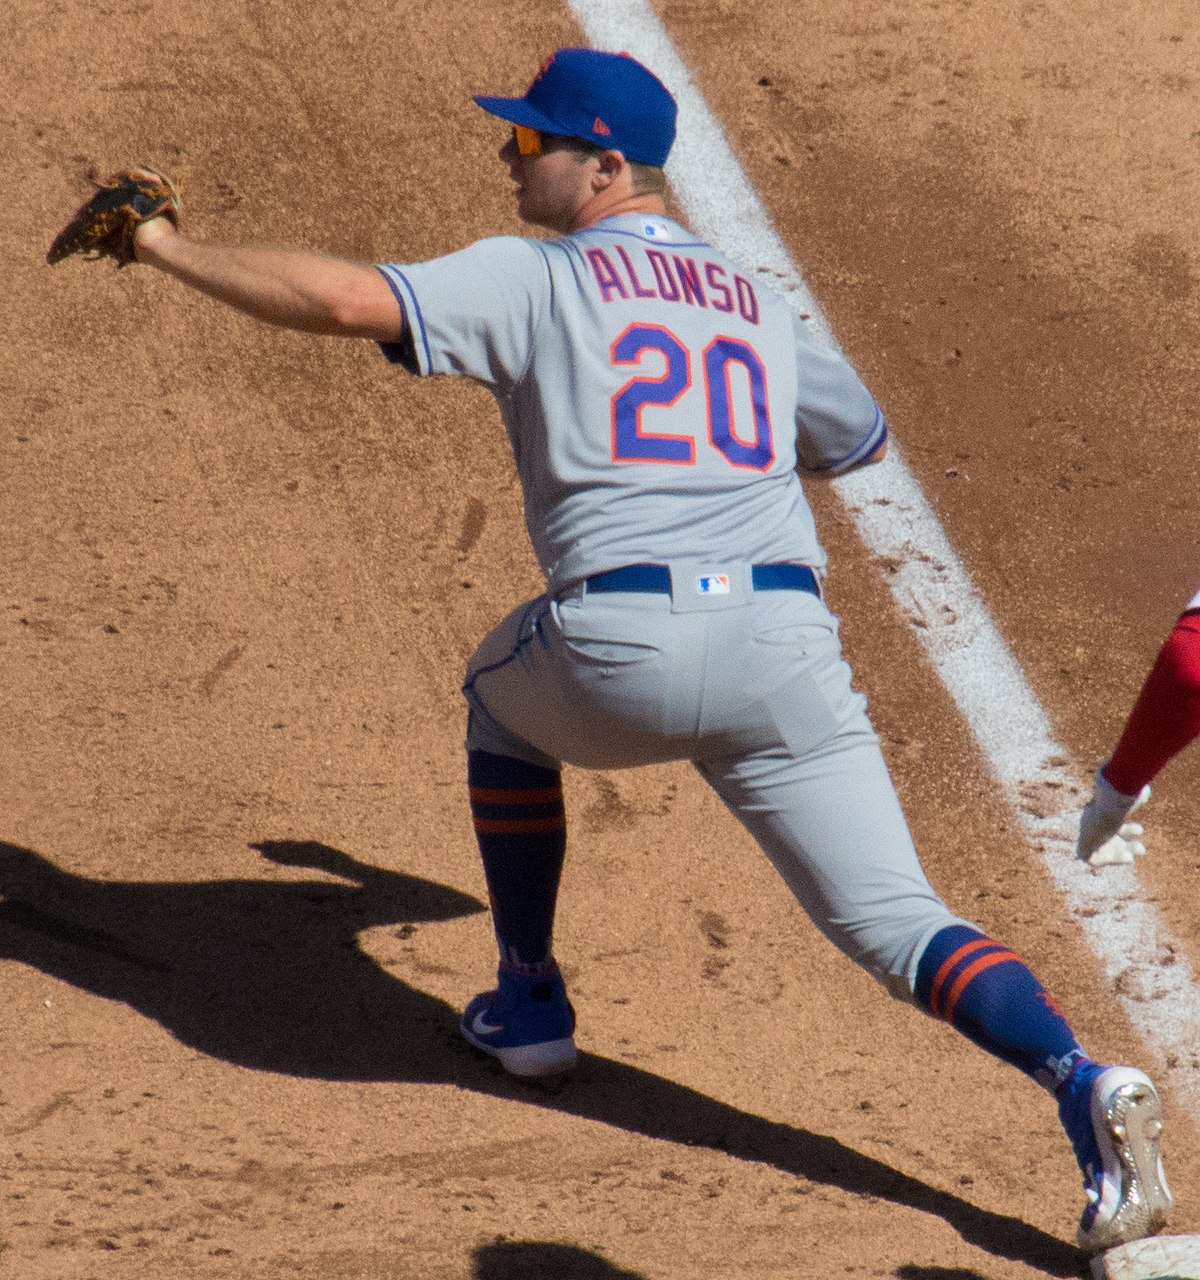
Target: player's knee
<point>488,736</point>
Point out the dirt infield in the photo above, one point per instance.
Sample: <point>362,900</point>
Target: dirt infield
<point>242,571</point>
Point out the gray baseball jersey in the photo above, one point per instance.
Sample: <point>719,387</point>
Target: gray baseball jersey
<point>658,400</point>
<point>659,403</point>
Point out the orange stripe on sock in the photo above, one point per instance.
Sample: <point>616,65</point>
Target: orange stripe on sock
<point>948,964</point>
<point>519,826</point>
<point>495,795</point>
<point>973,971</point>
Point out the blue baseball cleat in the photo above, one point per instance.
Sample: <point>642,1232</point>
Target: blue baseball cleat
<point>1114,1120</point>
<point>527,1023</point>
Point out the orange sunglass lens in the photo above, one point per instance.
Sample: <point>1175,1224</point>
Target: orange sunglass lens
<point>529,141</point>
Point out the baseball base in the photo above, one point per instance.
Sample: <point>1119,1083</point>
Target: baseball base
<point>1158,1258</point>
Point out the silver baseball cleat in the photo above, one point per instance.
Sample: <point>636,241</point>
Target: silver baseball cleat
<point>1121,1158</point>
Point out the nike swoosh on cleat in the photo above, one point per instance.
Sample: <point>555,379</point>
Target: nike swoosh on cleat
<point>481,1027</point>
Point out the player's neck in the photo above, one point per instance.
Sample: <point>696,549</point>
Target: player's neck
<point>609,205</point>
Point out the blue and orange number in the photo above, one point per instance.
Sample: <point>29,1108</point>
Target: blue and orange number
<point>632,442</point>
<point>719,358</point>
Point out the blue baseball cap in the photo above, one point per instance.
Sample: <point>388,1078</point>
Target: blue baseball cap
<point>609,99</point>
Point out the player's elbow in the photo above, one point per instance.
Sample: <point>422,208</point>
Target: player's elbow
<point>365,308</point>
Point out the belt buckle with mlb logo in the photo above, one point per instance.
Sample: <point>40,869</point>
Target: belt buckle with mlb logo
<point>712,584</point>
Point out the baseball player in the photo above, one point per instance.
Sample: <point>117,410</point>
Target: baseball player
<point>661,401</point>
<point>1165,719</point>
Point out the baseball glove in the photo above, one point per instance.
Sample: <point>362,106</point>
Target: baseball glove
<point>103,227</point>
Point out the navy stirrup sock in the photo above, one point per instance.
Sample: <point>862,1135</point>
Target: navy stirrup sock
<point>989,994</point>
<point>520,823</point>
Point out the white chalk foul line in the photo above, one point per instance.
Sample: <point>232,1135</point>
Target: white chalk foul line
<point>1148,971</point>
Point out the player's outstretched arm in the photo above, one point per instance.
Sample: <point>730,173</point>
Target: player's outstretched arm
<point>296,289</point>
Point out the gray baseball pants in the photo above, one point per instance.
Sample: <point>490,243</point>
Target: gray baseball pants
<point>752,688</point>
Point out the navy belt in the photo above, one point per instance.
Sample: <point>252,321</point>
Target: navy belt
<point>656,579</point>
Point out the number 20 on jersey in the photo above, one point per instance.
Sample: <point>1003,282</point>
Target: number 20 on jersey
<point>746,444</point>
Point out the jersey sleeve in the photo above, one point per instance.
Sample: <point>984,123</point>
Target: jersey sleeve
<point>838,423</point>
<point>473,312</point>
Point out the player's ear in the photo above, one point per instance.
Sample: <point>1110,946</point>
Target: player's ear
<point>609,166</point>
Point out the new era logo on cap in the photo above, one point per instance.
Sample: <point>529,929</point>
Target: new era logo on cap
<point>608,98</point>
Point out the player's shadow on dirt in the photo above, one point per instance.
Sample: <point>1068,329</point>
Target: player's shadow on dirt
<point>530,1260</point>
<point>268,974</point>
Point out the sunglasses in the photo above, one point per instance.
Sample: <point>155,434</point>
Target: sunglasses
<point>529,141</point>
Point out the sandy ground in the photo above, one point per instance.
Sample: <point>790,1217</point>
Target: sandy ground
<point>242,571</point>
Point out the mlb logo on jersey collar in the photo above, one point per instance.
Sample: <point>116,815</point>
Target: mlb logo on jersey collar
<point>712,584</point>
